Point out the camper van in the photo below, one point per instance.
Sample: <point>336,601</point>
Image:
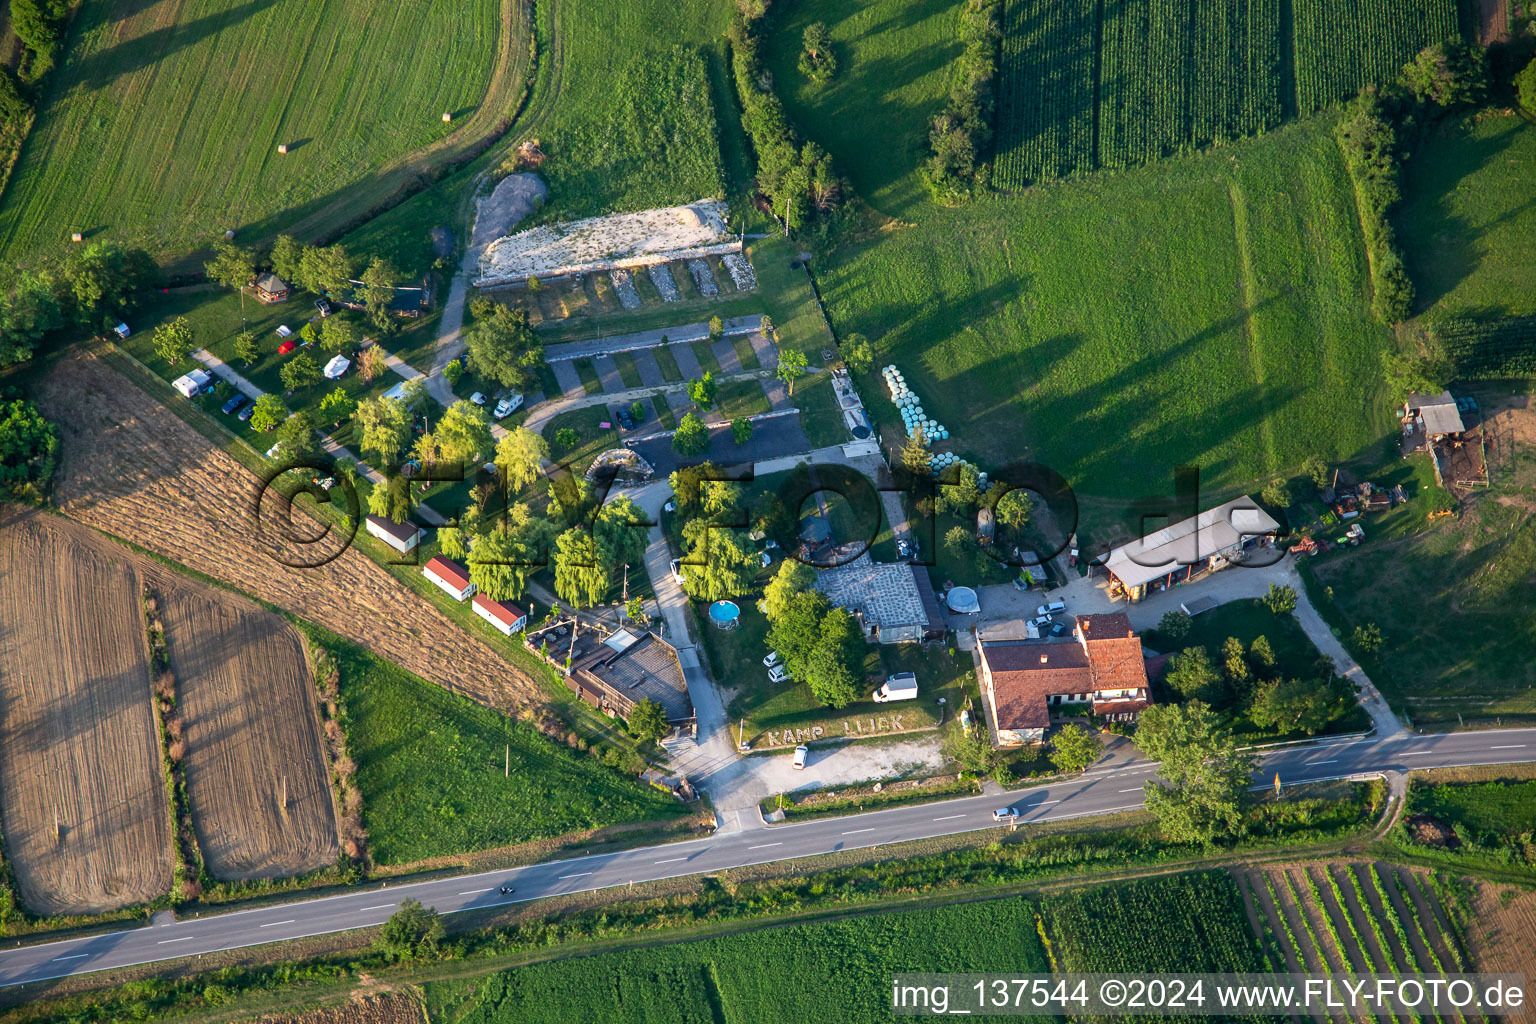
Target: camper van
<point>193,384</point>
<point>901,686</point>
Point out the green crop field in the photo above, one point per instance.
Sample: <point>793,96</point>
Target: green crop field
<point>161,126</point>
<point>430,767</point>
<point>1207,310</point>
<point>627,106</point>
<point>1467,222</point>
<point>1188,923</point>
<point>808,972</point>
<point>1087,85</point>
<point>1338,53</point>
<point>895,58</point>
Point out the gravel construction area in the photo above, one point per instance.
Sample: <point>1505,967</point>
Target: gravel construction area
<point>624,285</point>
<point>661,277</point>
<point>510,202</point>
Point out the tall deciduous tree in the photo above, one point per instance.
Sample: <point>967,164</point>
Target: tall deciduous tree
<point>29,447</point>
<point>1203,794</point>
<point>621,531</point>
<point>1074,748</point>
<point>857,353</point>
<point>28,311</point>
<point>729,564</point>
<point>246,348</point>
<point>231,266</point>
<point>287,257</point>
<point>502,343</point>
<point>463,432</point>
<point>268,413</point>
<point>385,426</point>
<point>580,578</point>
<point>378,291</point>
<point>299,372</point>
<point>519,456</point>
<point>325,269</point>
<point>691,437</point>
<point>835,665</point>
<point>789,585</point>
<point>337,406</point>
<point>173,340</point>
<point>647,721</point>
<point>792,364</point>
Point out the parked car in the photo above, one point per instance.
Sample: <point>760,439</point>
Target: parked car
<point>1005,813</point>
<point>508,405</point>
<point>1040,620</point>
<point>234,404</point>
<point>771,660</point>
<point>778,674</point>
<point>765,558</point>
<point>1059,629</point>
<point>626,421</point>
<point>677,571</point>
<point>800,755</point>
<point>1055,607</point>
<point>323,307</point>
<point>478,398</point>
<point>245,411</point>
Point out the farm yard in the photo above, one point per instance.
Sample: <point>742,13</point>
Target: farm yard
<point>132,468</point>
<point>86,818</point>
<point>257,780</point>
<point>1204,310</point>
<point>1085,86</point>
<point>189,160</point>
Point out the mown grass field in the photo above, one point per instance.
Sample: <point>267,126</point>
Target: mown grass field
<point>894,61</point>
<point>1468,218</point>
<point>1089,85</point>
<point>430,767</point>
<point>162,125</point>
<point>631,104</point>
<point>807,972</point>
<point>1208,310</point>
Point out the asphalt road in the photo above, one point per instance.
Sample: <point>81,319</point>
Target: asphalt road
<point>1113,785</point>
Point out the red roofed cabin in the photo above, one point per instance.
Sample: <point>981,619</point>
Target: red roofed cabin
<point>1022,680</point>
<point>449,575</point>
<point>504,617</point>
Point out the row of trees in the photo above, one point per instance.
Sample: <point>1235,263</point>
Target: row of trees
<point>328,270</point>
<point>959,134</point>
<point>819,644</point>
<point>39,24</point>
<point>797,178</point>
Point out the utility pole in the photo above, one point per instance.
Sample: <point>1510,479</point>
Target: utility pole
<point>506,771</point>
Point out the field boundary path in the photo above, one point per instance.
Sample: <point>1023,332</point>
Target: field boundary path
<point>1097,792</point>
<point>219,368</point>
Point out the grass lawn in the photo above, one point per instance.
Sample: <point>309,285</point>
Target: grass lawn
<point>1505,808</point>
<point>592,439</point>
<point>629,373</point>
<point>820,417</point>
<point>667,363</point>
<point>1247,620</point>
<point>741,398</point>
<point>430,768</point>
<point>192,102</point>
<point>1467,222</point>
<point>706,357</point>
<point>588,374</point>
<point>1451,597</point>
<point>895,62</point>
<point>663,412</point>
<point>1208,310</point>
<point>745,353</point>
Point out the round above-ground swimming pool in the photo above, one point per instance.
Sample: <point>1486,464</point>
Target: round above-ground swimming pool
<point>724,614</point>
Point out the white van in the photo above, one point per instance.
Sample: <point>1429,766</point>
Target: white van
<point>901,686</point>
<point>1054,608</point>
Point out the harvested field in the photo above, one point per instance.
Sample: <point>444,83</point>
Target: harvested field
<point>133,469</point>
<point>1503,920</point>
<point>79,748</point>
<point>244,694</point>
<point>392,1008</point>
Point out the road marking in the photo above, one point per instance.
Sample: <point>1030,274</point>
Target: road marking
<point>381,906</point>
<point>472,892</point>
<point>577,874</point>
<point>669,860</point>
<point>1133,789</point>
<point>76,956</point>
<point>184,938</point>
<point>1331,760</point>
<point>1042,803</point>
<point>1418,753</point>
<point>274,924</point>
<point>764,846</point>
<point>1509,746</point>
<point>854,832</point>
<point>949,817</point>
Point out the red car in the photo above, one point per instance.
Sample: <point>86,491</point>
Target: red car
<point>286,347</point>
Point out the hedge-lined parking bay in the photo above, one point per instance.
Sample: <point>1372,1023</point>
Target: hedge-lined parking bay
<point>433,770</point>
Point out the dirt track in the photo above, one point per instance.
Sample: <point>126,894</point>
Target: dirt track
<point>133,469</point>
<point>77,730</point>
<point>244,693</point>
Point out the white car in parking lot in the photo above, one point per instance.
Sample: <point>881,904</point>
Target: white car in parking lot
<point>800,754</point>
<point>1054,608</point>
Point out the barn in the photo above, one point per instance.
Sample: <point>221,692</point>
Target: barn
<point>449,575</point>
